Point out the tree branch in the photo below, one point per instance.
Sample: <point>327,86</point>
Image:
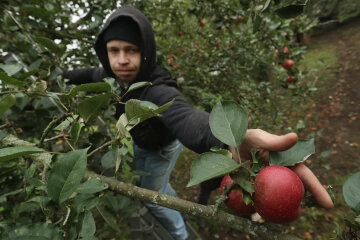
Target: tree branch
<point>191,208</point>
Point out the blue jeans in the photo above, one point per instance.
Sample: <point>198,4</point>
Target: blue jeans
<point>159,164</point>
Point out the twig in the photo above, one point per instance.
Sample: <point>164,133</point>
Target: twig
<point>327,22</point>
<point>55,137</point>
<point>7,122</point>
<point>67,141</point>
<point>75,25</point>
<point>101,147</point>
<point>50,126</point>
<point>5,125</point>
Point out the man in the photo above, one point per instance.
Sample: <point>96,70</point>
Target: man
<point>127,51</point>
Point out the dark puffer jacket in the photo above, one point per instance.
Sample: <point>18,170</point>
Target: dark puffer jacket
<point>181,120</point>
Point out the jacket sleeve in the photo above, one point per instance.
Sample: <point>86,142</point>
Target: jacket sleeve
<point>186,123</point>
<point>84,75</point>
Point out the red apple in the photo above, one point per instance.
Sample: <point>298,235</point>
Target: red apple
<point>290,79</point>
<point>235,198</point>
<point>285,50</point>
<point>217,44</point>
<point>287,63</point>
<point>202,22</point>
<point>278,194</point>
<point>180,33</point>
<point>238,19</point>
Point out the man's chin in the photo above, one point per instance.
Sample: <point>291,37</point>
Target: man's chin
<point>126,80</point>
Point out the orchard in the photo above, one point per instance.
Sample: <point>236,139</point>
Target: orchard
<point>66,163</point>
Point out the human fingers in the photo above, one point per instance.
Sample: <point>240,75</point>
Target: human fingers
<point>257,138</point>
<point>313,184</point>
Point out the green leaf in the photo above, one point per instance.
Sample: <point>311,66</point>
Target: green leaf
<point>109,219</point>
<point>351,192</point>
<point>123,127</point>
<point>75,131</point>
<point>41,200</point>
<point>15,152</point>
<point>115,86</point>
<point>266,6</point>
<point>243,179</point>
<point>89,87</point>
<point>108,159</point>
<point>66,123</point>
<point>210,165</point>
<point>92,186</point>
<point>11,69</point>
<point>118,157</point>
<point>56,98</point>
<point>138,111</point>
<point>90,108</point>
<point>137,85</point>
<point>88,227</point>
<point>50,45</point>
<point>257,22</point>
<point>228,122</point>
<point>296,154</point>
<point>36,231</point>
<point>222,151</point>
<point>290,11</point>
<point>28,74</point>
<point>89,238</point>
<point>7,102</point>
<point>66,174</point>
<point>11,81</point>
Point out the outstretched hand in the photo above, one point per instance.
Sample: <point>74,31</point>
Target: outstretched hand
<point>265,142</point>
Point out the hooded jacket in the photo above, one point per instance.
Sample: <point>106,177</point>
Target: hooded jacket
<point>180,121</point>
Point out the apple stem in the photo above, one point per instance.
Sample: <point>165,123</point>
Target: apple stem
<point>238,153</point>
<point>220,200</point>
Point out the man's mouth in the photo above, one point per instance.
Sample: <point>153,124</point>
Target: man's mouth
<point>124,71</point>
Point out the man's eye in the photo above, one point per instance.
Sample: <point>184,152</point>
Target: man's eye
<point>134,50</point>
<point>112,50</point>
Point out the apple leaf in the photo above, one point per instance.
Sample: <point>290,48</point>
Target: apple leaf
<point>11,81</point>
<point>210,165</point>
<point>15,152</point>
<point>228,122</point>
<point>88,227</point>
<point>296,154</point>
<point>11,69</point>
<point>109,218</point>
<point>137,85</point>
<point>242,178</point>
<point>6,103</point>
<point>66,174</point>
<point>33,231</point>
<point>138,111</point>
<point>89,87</point>
<point>351,192</point>
<point>75,131</point>
<point>92,186</point>
<point>90,108</point>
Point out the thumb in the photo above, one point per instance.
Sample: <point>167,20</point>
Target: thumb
<point>267,141</point>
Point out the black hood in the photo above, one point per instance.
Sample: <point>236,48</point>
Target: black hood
<point>148,45</point>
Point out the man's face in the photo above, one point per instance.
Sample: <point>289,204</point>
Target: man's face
<point>124,58</point>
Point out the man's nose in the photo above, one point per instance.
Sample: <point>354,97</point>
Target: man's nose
<point>123,59</point>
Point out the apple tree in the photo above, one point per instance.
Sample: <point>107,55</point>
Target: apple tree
<point>59,143</point>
